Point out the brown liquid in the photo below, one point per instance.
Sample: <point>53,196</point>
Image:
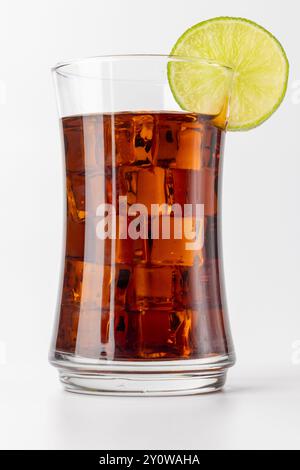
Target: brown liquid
<point>144,299</point>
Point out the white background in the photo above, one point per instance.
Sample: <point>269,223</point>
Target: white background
<point>260,407</point>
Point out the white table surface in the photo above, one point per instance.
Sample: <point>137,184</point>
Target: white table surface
<point>259,409</point>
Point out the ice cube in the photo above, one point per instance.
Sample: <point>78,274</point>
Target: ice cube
<point>189,155</point>
<point>96,285</point>
<point>173,250</point>
<point>147,334</point>
<point>86,192</point>
<point>153,287</point>
<point>104,330</point>
<point>72,281</point>
<point>180,287</point>
<point>169,187</point>
<point>121,347</point>
<point>96,250</point>
<point>76,196</point>
<point>156,333</point>
<point>181,326</point>
<point>98,192</point>
<point>129,250</point>
<point>124,250</point>
<point>193,284</point>
<point>208,325</point>
<point>89,333</point>
<point>111,250</point>
<point>75,238</point>
<point>87,143</point>
<point>124,154</point>
<point>144,139</point>
<point>67,328</point>
<point>177,185</point>
<point>97,143</point>
<point>192,187</point>
<point>207,191</point>
<point>131,340</point>
<point>168,129</point>
<point>135,139</point>
<point>127,183</point>
<point>151,187</point>
<point>199,285</point>
<point>123,276</point>
<point>73,141</point>
<point>212,146</point>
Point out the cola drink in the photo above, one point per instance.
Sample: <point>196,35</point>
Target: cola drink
<point>140,295</point>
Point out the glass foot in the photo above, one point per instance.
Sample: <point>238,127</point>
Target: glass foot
<point>160,385</point>
<point>163,378</point>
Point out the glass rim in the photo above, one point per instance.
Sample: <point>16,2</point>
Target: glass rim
<point>61,67</point>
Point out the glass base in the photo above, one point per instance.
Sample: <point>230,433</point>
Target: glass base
<point>123,378</point>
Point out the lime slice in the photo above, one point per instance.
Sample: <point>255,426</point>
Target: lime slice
<point>257,59</point>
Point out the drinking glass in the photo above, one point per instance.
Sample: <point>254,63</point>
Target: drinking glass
<point>142,308</point>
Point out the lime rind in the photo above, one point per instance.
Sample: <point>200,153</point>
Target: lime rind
<point>256,91</point>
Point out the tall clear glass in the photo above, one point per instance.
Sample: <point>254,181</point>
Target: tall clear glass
<point>142,308</point>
